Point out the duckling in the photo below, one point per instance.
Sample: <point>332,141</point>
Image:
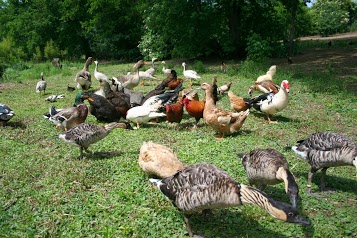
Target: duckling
<point>83,78</point>
<point>85,134</point>
<point>5,114</point>
<point>200,187</point>
<point>224,122</point>
<point>41,85</point>
<point>158,160</point>
<point>269,167</point>
<point>323,150</point>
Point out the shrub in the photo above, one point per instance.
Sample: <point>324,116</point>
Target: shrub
<point>257,48</point>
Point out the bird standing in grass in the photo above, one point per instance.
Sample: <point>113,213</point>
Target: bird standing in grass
<point>190,74</point>
<point>323,150</point>
<point>202,187</point>
<point>5,114</point>
<point>86,134</point>
<point>269,167</point>
<point>41,85</point>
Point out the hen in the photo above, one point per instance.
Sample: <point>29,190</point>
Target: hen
<point>264,86</point>
<point>238,103</point>
<point>224,88</point>
<point>224,122</point>
<point>174,112</point>
<point>194,108</point>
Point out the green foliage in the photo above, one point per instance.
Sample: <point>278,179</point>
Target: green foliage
<point>258,49</point>
<point>51,50</point>
<point>332,16</point>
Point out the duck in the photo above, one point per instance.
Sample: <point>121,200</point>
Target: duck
<point>271,103</point>
<point>151,108</point>
<point>83,78</point>
<point>269,167</point>
<point>158,161</point>
<point>130,81</point>
<point>41,85</point>
<point>224,122</point>
<point>201,187</point>
<point>269,75</point>
<point>151,70</point>
<point>98,75</point>
<point>85,134</point>
<point>322,150</point>
<point>101,108</point>
<point>265,86</point>
<point>120,102</point>
<point>67,118</point>
<point>165,70</point>
<point>6,113</point>
<point>190,74</point>
<point>149,73</point>
<point>54,98</point>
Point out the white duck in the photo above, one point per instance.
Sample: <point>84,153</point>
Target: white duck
<point>165,70</point>
<point>130,81</point>
<point>151,70</point>
<point>98,75</point>
<point>271,103</point>
<point>190,74</point>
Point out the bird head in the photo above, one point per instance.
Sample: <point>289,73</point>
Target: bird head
<point>286,85</point>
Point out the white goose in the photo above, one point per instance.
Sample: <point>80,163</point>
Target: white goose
<point>98,75</point>
<point>41,85</point>
<point>190,74</point>
<point>165,70</point>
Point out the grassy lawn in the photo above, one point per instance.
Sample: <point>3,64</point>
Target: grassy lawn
<point>47,192</point>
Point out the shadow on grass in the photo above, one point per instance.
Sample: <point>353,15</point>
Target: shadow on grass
<point>16,124</point>
<point>100,155</point>
<point>227,223</point>
<point>334,182</point>
<point>277,117</point>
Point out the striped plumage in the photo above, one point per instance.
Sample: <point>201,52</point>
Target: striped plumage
<point>326,149</point>
<point>85,134</point>
<point>41,85</point>
<point>269,167</point>
<point>5,114</point>
<point>204,186</point>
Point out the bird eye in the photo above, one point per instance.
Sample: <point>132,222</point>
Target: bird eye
<point>290,214</point>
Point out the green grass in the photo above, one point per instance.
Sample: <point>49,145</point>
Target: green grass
<point>46,192</point>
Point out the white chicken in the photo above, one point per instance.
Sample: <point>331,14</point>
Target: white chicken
<point>190,74</point>
<point>268,76</point>
<point>271,103</point>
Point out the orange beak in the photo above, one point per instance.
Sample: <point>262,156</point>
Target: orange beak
<point>90,99</point>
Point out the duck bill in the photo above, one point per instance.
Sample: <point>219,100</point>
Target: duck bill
<point>90,99</point>
<point>301,220</point>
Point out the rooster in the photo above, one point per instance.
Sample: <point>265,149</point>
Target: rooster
<point>194,108</point>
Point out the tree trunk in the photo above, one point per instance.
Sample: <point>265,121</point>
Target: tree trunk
<point>294,4</point>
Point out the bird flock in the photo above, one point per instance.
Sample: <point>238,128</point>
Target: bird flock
<point>197,187</point>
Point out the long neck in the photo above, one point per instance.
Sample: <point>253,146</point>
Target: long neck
<point>287,177</point>
<point>251,195</point>
<point>209,96</point>
<point>86,65</point>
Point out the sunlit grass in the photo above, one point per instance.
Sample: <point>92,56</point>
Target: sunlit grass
<point>47,192</point>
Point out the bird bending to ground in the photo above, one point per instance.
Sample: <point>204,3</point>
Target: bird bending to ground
<point>190,74</point>
<point>323,150</point>
<point>224,88</point>
<point>85,134</point>
<point>201,187</point>
<point>158,160</point>
<point>83,78</point>
<point>41,85</point>
<point>269,167</point>
<point>5,114</point>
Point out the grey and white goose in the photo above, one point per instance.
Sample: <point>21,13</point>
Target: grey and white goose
<point>41,85</point>
<point>323,150</point>
<point>6,113</point>
<point>269,167</point>
<point>201,187</point>
<point>85,134</point>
